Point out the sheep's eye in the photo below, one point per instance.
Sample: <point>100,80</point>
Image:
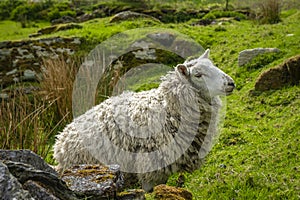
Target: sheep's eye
<point>198,75</point>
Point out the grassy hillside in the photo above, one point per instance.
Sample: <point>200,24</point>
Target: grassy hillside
<point>257,155</point>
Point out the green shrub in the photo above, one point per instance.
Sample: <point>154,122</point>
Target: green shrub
<point>34,11</point>
<point>220,28</point>
<point>7,6</point>
<point>31,11</point>
<point>54,14</point>
<point>220,14</point>
<point>62,6</point>
<point>70,13</point>
<point>210,16</point>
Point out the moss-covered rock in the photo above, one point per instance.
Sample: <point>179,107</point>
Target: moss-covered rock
<point>164,192</point>
<point>56,28</point>
<point>98,181</point>
<point>129,15</point>
<point>22,60</point>
<point>285,74</point>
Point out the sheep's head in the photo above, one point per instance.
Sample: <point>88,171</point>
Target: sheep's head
<point>203,75</point>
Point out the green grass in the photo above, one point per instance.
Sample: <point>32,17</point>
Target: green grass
<point>13,30</point>
<point>259,143</point>
<point>257,155</point>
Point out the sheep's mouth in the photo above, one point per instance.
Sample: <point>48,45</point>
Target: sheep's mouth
<point>229,90</point>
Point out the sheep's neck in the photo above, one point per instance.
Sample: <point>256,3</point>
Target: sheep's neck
<point>179,94</point>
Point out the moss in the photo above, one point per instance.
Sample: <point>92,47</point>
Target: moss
<point>100,179</point>
<point>59,27</point>
<point>130,193</point>
<point>164,192</point>
<point>88,170</point>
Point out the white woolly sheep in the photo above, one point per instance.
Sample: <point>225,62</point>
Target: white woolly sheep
<point>154,133</point>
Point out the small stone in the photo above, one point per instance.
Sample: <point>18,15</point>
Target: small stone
<point>4,96</point>
<point>29,75</point>
<point>14,71</point>
<point>222,166</point>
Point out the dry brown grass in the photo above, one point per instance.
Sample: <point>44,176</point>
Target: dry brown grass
<point>269,11</point>
<point>27,122</point>
<point>57,84</point>
<point>30,121</point>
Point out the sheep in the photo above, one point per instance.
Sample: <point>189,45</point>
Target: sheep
<point>151,134</point>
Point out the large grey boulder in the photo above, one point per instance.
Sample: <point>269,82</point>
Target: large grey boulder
<point>247,55</point>
<point>50,184</point>
<point>25,176</point>
<point>10,188</point>
<point>27,157</point>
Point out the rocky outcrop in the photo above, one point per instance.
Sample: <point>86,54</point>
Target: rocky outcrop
<point>24,175</point>
<point>22,60</point>
<point>129,15</point>
<point>166,14</point>
<point>247,55</point>
<point>64,20</point>
<point>27,157</point>
<point>46,184</point>
<point>56,28</point>
<point>287,73</point>
<point>29,177</point>
<point>94,180</point>
<point>132,194</point>
<point>10,188</point>
<point>164,192</point>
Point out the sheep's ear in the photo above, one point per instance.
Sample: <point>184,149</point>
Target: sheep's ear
<point>182,69</point>
<point>205,54</point>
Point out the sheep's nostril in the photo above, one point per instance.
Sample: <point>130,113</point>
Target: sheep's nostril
<point>230,87</point>
<point>231,84</point>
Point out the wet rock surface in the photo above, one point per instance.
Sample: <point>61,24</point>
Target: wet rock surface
<point>10,188</point>
<point>27,157</point>
<point>50,183</point>
<point>98,181</point>
<point>25,175</point>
